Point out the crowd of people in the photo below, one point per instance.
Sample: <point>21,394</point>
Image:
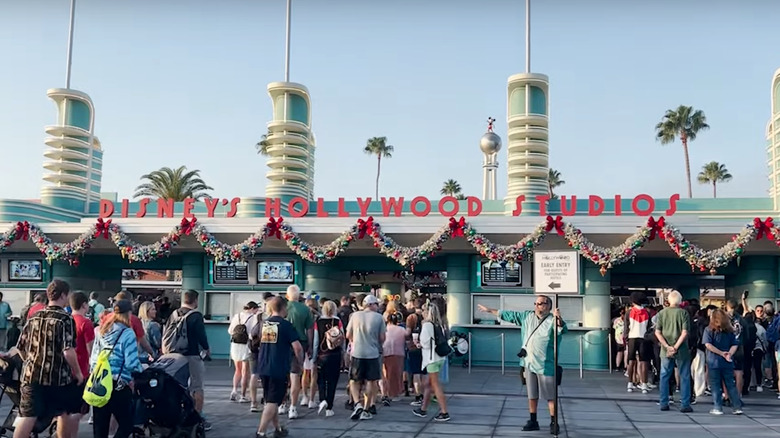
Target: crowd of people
<point>296,349</point>
<point>726,353</point>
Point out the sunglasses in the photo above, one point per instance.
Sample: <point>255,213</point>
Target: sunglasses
<point>541,304</point>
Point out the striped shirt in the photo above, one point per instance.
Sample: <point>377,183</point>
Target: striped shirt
<point>43,342</point>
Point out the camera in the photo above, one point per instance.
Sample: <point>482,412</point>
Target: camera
<point>522,353</point>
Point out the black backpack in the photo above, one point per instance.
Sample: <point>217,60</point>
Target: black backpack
<point>240,334</point>
<point>442,345</point>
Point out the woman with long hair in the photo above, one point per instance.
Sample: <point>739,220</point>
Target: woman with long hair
<point>432,362</point>
<point>240,327</point>
<point>721,344</point>
<point>328,356</point>
<point>309,377</point>
<point>394,352</point>
<point>147,312</point>
<point>117,336</point>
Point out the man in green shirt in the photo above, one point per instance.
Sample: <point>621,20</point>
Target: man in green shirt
<point>537,334</point>
<point>299,315</point>
<point>671,329</point>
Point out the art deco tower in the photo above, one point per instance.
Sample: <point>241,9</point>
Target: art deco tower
<point>527,129</point>
<point>74,158</point>
<point>773,142</point>
<point>290,139</point>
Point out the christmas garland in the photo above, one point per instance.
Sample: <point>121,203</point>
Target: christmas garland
<point>604,257</point>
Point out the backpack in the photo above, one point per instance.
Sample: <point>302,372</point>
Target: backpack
<point>176,339</point>
<point>442,345</point>
<point>334,338</point>
<point>240,334</point>
<point>90,315</point>
<point>254,338</point>
<point>100,383</point>
<point>773,331</point>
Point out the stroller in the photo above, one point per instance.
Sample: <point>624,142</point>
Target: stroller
<point>10,369</point>
<point>165,402</point>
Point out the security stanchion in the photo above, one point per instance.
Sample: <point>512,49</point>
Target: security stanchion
<point>503,354</point>
<point>470,348</point>
<point>581,356</point>
<point>609,348</point>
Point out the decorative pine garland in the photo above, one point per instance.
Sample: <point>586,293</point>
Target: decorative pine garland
<point>605,257</point>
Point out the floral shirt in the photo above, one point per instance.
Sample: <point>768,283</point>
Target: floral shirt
<point>43,342</point>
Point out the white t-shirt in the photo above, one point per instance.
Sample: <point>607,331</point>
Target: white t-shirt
<point>247,318</point>
<point>428,344</point>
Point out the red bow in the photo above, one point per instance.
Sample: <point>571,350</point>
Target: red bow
<point>656,228</point>
<point>456,227</point>
<point>764,228</point>
<point>22,230</point>
<point>274,228</point>
<point>102,227</point>
<point>365,226</point>
<point>556,223</point>
<point>188,226</point>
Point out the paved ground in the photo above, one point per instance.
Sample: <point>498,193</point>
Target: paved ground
<point>489,404</point>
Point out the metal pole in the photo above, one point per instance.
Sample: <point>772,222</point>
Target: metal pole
<point>555,361</point>
<point>70,42</point>
<point>470,348</point>
<point>287,44</point>
<point>528,36</point>
<point>581,356</point>
<point>609,348</point>
<point>503,353</point>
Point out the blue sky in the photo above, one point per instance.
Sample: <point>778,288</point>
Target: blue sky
<point>184,83</point>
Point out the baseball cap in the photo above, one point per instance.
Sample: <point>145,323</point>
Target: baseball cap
<point>123,306</point>
<point>370,299</point>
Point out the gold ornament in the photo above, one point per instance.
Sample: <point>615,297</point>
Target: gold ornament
<point>603,271</point>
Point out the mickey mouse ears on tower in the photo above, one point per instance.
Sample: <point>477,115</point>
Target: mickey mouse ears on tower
<point>490,143</point>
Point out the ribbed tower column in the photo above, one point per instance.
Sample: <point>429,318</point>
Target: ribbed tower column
<point>290,143</point>
<point>74,157</point>
<point>527,132</point>
<point>773,142</point>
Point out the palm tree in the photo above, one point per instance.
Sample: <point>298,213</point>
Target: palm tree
<point>714,173</point>
<point>262,145</point>
<point>168,183</point>
<point>685,123</point>
<point>452,188</point>
<point>553,181</point>
<point>378,146</point>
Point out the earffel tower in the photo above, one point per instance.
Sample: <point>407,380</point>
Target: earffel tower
<point>290,139</point>
<point>527,129</point>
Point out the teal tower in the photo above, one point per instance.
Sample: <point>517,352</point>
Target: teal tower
<point>290,143</point>
<point>74,158</point>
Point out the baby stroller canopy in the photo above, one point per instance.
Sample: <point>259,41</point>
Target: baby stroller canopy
<point>174,365</point>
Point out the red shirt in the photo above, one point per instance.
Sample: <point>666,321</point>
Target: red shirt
<point>85,333</point>
<point>35,308</point>
<point>135,322</point>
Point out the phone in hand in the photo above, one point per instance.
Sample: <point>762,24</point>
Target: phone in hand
<point>745,294</point>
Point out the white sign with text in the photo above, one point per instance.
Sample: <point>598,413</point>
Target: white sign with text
<point>557,272</point>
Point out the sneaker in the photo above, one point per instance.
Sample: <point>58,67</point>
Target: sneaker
<point>686,410</point>
<point>759,389</point>
<point>281,432</point>
<point>372,409</point>
<point>254,407</point>
<point>664,408</point>
<point>357,412</point>
<point>385,401</point>
<point>420,413</point>
<point>282,409</point>
<point>644,388</point>
<point>92,421</point>
<point>630,387</point>
<point>555,429</point>
<point>207,426</point>
<point>292,413</point>
<point>366,415</point>
<point>707,392</point>
<point>323,406</point>
<point>233,396</point>
<point>243,399</point>
<point>531,425</point>
<point>716,412</point>
<point>442,417</point>
<point>651,386</point>
<point>304,401</point>
<point>329,413</point>
<point>349,405</point>
<point>417,401</point>
<point>737,411</point>
<point>312,404</point>
<point>693,400</point>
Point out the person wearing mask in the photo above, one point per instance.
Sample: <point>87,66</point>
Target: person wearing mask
<point>240,327</point>
<point>640,350</point>
<point>197,342</point>
<point>116,335</point>
<point>5,313</point>
<point>721,344</point>
<point>279,346</point>
<point>147,313</point>
<point>672,328</point>
<point>299,315</point>
<point>539,326</point>
<point>366,333</point>
<point>328,355</point>
<point>51,376</point>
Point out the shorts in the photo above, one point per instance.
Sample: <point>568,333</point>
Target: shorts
<point>739,361</point>
<point>253,363</point>
<point>539,386</point>
<point>295,366</point>
<point>414,363</point>
<point>368,370</point>
<point>434,367</point>
<point>642,347</point>
<point>239,352</point>
<point>621,347</point>
<point>42,401</point>
<point>274,390</point>
<point>197,372</point>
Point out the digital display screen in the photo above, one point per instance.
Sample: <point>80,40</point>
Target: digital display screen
<point>275,271</point>
<point>501,274</point>
<point>25,270</point>
<point>237,272</point>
